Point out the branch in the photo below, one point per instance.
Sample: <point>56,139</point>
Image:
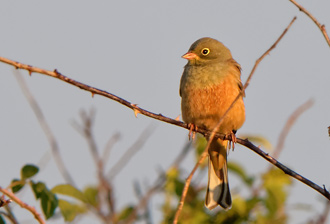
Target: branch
<point>285,169</point>
<point>92,90</point>
<point>134,148</point>
<point>286,129</point>
<point>284,133</point>
<point>105,189</point>
<point>45,128</point>
<point>321,27</point>
<point>31,209</point>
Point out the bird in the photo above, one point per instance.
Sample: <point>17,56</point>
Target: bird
<point>210,82</point>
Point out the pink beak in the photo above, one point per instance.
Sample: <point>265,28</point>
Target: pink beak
<point>189,55</point>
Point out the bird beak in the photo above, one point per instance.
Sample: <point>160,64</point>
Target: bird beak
<point>189,56</point>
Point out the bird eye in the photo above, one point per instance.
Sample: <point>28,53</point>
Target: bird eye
<point>205,51</point>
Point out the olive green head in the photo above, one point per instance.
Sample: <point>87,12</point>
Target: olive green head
<point>207,50</point>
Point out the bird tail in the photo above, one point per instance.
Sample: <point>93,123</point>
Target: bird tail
<point>218,192</point>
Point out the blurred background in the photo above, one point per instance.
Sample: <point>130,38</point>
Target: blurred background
<point>133,49</point>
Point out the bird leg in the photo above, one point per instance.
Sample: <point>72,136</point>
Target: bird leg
<point>233,139</point>
<point>192,131</point>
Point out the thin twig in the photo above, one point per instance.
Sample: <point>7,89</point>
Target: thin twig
<point>134,148</point>
<point>45,127</point>
<point>86,130</point>
<point>214,131</point>
<point>105,192</point>
<point>31,209</point>
<point>106,152</point>
<point>319,25</point>
<point>287,127</point>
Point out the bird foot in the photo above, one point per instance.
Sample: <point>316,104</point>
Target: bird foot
<point>233,140</point>
<point>192,131</point>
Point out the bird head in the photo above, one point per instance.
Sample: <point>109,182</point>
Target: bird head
<point>206,51</point>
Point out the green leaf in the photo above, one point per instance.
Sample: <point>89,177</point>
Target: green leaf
<point>28,171</point>
<point>17,185</point>
<point>90,194</point>
<point>49,203</point>
<point>70,211</point>
<point>47,198</point>
<point>125,213</point>
<point>69,190</point>
<point>37,188</point>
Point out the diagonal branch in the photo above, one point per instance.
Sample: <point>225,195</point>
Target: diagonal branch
<point>134,148</point>
<point>321,27</point>
<point>285,169</point>
<point>46,129</point>
<point>31,209</point>
<point>92,90</point>
<point>286,129</point>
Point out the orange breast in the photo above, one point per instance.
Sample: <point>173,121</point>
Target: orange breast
<point>205,106</point>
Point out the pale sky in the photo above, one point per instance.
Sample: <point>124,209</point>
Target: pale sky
<point>133,49</point>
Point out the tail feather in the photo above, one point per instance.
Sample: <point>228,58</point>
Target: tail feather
<point>218,192</point>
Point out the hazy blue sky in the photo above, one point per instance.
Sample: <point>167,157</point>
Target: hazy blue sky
<point>133,49</point>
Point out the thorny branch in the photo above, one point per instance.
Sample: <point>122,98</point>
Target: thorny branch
<point>31,209</point>
<point>284,133</point>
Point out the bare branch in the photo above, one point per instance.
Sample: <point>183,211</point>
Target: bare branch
<point>31,209</point>
<point>106,152</point>
<point>287,127</point>
<point>45,127</point>
<point>105,192</point>
<point>86,130</point>
<point>285,169</point>
<point>321,27</point>
<point>137,145</point>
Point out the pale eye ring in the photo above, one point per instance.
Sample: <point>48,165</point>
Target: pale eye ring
<point>205,51</point>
